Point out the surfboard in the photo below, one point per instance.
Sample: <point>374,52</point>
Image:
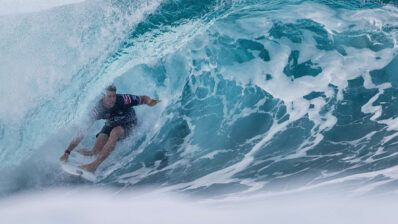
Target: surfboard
<point>76,171</point>
<point>72,166</point>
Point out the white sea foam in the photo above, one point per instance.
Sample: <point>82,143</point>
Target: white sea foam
<point>43,52</point>
<point>99,206</point>
<point>9,7</point>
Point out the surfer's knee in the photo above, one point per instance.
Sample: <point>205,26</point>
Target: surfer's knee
<point>101,140</point>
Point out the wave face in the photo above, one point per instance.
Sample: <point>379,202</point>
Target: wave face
<point>256,95</point>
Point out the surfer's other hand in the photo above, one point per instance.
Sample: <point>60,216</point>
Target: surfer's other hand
<point>153,102</point>
<point>64,157</point>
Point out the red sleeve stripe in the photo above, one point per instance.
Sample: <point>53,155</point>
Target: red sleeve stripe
<point>127,99</point>
<point>94,112</point>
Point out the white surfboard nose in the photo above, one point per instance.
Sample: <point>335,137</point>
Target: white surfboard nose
<point>76,171</point>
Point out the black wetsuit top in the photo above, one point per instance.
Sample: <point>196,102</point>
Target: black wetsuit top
<point>121,113</point>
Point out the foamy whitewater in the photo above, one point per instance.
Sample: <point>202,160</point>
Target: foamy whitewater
<point>283,110</point>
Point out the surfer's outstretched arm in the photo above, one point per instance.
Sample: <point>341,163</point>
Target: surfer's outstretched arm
<point>72,145</point>
<point>75,142</point>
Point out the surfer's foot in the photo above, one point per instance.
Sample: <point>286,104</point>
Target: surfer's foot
<point>88,167</point>
<point>85,152</point>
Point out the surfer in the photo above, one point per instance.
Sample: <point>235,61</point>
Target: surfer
<point>120,118</point>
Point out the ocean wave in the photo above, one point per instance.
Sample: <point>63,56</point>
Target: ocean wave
<point>256,95</point>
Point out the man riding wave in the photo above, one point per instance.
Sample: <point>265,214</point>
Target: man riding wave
<point>117,110</point>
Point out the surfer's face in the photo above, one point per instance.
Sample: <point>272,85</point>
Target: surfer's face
<point>109,99</point>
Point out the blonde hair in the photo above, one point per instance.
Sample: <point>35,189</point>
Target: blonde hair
<point>111,88</point>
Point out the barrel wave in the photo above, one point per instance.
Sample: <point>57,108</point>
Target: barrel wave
<point>257,96</point>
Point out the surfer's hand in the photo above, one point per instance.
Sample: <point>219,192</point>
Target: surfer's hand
<point>153,102</point>
<point>64,157</point>
<point>148,101</point>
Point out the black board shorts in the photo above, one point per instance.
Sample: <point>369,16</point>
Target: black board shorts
<point>128,127</point>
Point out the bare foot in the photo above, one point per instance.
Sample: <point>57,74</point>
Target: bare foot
<point>85,152</point>
<point>88,167</point>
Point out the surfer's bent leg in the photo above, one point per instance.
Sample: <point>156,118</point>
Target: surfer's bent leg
<point>100,143</point>
<point>116,133</point>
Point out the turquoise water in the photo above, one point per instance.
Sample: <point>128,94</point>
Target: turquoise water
<point>257,96</point>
